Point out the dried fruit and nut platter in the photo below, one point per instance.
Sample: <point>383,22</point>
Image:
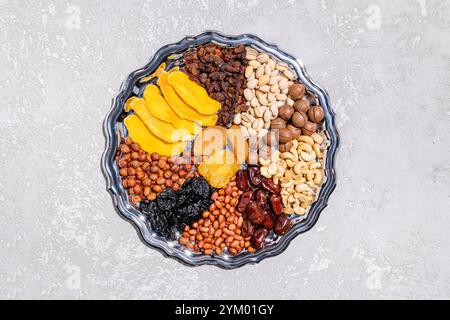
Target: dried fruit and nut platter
<point>220,150</point>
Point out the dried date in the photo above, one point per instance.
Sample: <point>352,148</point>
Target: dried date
<point>270,186</point>
<point>254,213</point>
<point>242,180</point>
<point>282,224</point>
<point>276,204</point>
<point>254,176</point>
<point>261,197</point>
<point>247,229</point>
<point>268,220</point>
<point>259,238</point>
<point>245,199</point>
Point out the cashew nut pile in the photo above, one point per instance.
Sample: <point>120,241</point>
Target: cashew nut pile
<point>299,171</point>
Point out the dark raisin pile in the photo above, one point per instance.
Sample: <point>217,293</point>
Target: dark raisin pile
<point>220,70</point>
<point>171,210</point>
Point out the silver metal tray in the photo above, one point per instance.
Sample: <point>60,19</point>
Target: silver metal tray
<point>113,128</point>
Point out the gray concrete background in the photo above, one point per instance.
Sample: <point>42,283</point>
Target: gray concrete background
<point>386,66</point>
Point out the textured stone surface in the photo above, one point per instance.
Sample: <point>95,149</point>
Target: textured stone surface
<point>385,231</point>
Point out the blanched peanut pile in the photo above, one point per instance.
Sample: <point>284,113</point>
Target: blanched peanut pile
<point>267,90</point>
<point>299,171</point>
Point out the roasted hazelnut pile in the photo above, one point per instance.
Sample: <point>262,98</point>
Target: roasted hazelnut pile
<point>304,117</point>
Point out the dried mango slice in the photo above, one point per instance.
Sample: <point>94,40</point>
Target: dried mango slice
<point>157,72</point>
<point>139,132</point>
<point>180,107</point>
<point>128,102</point>
<point>192,93</point>
<point>159,107</point>
<point>161,129</point>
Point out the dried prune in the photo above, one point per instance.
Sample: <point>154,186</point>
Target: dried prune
<point>201,188</point>
<point>171,210</point>
<point>147,207</point>
<point>193,190</point>
<point>166,200</point>
<point>191,213</point>
<point>158,222</point>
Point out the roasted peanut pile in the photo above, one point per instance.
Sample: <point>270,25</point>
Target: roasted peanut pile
<point>219,229</point>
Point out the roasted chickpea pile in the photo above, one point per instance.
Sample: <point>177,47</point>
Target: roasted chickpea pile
<point>146,175</point>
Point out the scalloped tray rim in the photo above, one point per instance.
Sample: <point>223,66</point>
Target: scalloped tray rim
<point>126,211</point>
